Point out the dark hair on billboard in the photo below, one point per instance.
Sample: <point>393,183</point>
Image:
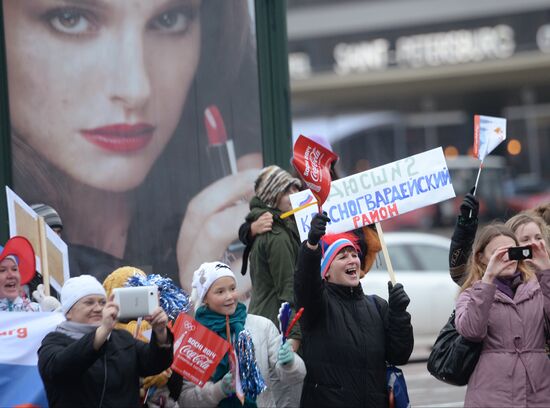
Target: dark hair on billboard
<point>226,76</point>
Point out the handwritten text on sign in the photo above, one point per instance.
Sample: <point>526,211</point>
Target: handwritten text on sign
<point>380,193</point>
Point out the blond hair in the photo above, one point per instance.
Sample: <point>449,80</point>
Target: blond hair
<point>524,218</point>
<point>476,268</point>
<point>542,211</point>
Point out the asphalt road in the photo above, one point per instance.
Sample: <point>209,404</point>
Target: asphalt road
<point>426,391</point>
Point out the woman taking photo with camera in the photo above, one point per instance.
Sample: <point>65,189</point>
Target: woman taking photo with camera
<point>529,228</point>
<point>86,362</point>
<point>505,307</point>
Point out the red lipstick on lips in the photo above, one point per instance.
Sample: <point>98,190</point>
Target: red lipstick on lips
<point>120,138</point>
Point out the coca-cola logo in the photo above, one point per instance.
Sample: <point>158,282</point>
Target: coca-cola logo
<point>312,161</point>
<point>189,353</point>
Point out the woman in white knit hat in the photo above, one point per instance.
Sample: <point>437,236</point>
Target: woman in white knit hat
<point>87,362</point>
<point>216,299</point>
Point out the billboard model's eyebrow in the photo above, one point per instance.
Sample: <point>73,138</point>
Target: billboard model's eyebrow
<point>93,4</point>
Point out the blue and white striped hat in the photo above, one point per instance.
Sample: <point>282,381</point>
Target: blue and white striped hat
<point>332,244</point>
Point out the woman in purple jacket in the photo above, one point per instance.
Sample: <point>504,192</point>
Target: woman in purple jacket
<point>504,305</point>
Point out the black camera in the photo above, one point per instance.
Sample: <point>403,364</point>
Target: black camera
<point>520,253</point>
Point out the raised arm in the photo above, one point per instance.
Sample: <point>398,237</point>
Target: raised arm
<point>55,358</point>
<point>463,238</point>
<point>157,355</point>
<point>308,286</point>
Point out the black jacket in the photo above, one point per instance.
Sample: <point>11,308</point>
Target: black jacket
<point>346,339</point>
<point>461,247</point>
<point>75,375</point>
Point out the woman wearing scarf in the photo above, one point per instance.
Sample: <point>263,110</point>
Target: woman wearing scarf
<point>215,294</point>
<point>504,306</point>
<point>86,362</point>
<point>17,268</point>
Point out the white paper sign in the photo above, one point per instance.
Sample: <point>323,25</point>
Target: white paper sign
<point>380,193</point>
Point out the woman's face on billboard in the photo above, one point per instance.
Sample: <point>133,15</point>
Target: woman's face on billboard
<point>97,86</point>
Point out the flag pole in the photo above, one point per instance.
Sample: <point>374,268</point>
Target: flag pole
<point>477,178</point>
<point>289,213</point>
<point>42,243</point>
<point>385,252</point>
<point>475,185</point>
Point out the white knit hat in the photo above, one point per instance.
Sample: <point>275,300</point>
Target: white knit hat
<point>76,288</point>
<point>207,274</point>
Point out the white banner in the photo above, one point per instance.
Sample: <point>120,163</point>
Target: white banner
<point>21,334</point>
<point>380,193</point>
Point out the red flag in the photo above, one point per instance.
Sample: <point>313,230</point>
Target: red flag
<point>312,161</point>
<point>197,350</point>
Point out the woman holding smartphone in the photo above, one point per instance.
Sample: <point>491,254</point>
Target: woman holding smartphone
<point>107,102</point>
<point>504,306</point>
<point>86,362</point>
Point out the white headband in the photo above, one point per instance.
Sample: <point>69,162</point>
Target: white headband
<point>13,258</point>
<point>207,274</point>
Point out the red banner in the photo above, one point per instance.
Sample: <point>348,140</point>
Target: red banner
<point>197,350</point>
<point>312,161</point>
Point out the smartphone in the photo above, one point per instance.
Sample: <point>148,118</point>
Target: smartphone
<point>520,253</point>
<point>136,301</point>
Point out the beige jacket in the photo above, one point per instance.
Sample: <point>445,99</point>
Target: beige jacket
<point>267,341</point>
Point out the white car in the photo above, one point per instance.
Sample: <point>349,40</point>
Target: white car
<point>421,264</point>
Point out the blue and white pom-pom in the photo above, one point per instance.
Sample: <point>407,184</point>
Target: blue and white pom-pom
<point>173,299</point>
<point>251,379</point>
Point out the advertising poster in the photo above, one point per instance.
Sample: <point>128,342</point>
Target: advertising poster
<point>139,123</point>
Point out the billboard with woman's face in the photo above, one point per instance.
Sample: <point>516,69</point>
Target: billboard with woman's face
<point>138,121</point>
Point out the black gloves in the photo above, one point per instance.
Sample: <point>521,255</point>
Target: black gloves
<point>318,228</point>
<point>397,298</point>
<point>469,205</point>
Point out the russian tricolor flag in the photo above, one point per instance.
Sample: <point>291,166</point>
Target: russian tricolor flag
<point>489,132</point>
<point>21,334</point>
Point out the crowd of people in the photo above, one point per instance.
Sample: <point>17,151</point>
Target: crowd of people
<point>164,78</point>
<point>339,351</point>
